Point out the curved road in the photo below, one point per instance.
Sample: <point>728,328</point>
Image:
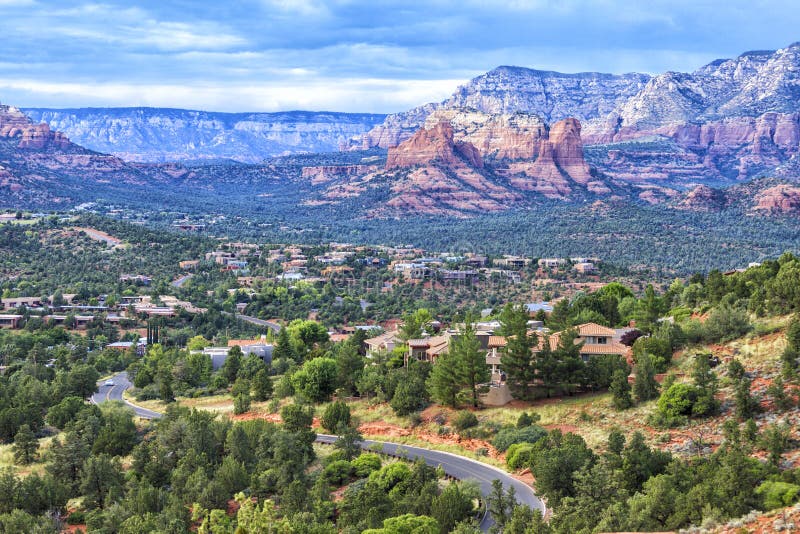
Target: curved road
<point>114,393</point>
<point>453,465</point>
<point>457,467</point>
<point>275,327</point>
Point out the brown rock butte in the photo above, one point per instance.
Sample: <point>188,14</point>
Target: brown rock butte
<point>14,123</point>
<point>781,199</point>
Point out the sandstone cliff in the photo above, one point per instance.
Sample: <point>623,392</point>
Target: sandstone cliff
<point>16,125</point>
<point>731,120</point>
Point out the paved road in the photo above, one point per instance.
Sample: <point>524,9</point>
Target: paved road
<point>182,280</point>
<point>121,383</point>
<point>458,467</point>
<point>275,327</point>
<point>453,465</point>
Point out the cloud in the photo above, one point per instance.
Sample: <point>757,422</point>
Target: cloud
<point>380,55</point>
<point>353,95</point>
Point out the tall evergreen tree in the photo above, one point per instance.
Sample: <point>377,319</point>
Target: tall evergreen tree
<point>444,383</point>
<point>516,358</point>
<point>25,445</point>
<point>645,386</point>
<point>472,368</point>
<point>621,390</point>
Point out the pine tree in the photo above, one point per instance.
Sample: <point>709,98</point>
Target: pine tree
<point>262,385</point>
<point>472,368</point>
<point>546,366</point>
<point>284,348</point>
<point>444,382</point>
<point>25,445</point>
<point>621,390</point>
<point>645,386</point>
<point>241,396</point>
<point>706,382</point>
<point>516,358</point>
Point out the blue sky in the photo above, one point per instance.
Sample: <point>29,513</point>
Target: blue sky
<point>342,55</point>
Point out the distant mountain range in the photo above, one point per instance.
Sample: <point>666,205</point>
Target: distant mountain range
<point>162,134</point>
<point>509,138</point>
<point>729,121</point>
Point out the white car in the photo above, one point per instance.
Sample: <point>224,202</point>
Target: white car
<point>109,382</point>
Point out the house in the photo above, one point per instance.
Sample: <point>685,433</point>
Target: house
<point>13,303</point>
<point>512,262</point>
<point>218,355</point>
<point>138,279</point>
<point>552,263</point>
<point>10,321</point>
<point>597,341</point>
<point>189,264</point>
<point>413,271</point>
<point>141,346</point>
<point>585,268</point>
<point>385,342</point>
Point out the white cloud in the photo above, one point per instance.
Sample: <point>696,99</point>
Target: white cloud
<point>355,95</point>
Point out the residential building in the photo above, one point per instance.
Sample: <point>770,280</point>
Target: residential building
<point>13,303</point>
<point>552,263</point>
<point>10,321</point>
<point>385,342</point>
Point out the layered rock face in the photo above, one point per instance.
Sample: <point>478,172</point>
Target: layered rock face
<point>779,200</point>
<point>731,120</point>
<point>553,96</point>
<point>15,124</point>
<point>451,165</point>
<point>42,167</point>
<point>160,135</point>
<point>434,145</point>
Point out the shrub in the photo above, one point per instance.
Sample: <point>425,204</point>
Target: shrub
<point>519,455</point>
<point>510,435</point>
<point>366,463</point>
<point>390,475</point>
<point>725,323</point>
<point>464,420</point>
<point>338,472</point>
<point>336,415</point>
<point>677,400</point>
<point>777,494</point>
<point>76,518</point>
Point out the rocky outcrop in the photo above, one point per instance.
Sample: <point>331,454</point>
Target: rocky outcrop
<point>16,125</point>
<point>553,96</point>
<point>781,199</point>
<point>703,198</point>
<point>160,135</point>
<point>322,174</point>
<point>434,145</point>
<point>473,147</point>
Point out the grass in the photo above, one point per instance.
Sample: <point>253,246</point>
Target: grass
<point>38,467</point>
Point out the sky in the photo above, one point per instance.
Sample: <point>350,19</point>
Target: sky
<point>376,56</point>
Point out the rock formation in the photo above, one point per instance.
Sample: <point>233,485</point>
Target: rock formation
<point>781,199</point>
<point>322,174</point>
<point>731,120</point>
<point>15,124</point>
<point>434,145</point>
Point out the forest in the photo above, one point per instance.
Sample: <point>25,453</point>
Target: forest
<point>235,449</point>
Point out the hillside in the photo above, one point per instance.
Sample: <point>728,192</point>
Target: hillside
<point>161,134</point>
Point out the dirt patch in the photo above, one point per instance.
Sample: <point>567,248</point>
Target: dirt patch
<point>249,416</point>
